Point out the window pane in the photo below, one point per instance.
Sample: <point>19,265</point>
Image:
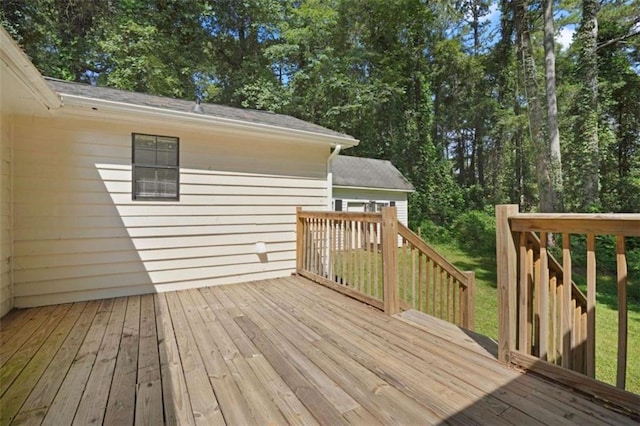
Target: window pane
<point>167,158</point>
<point>166,143</point>
<point>156,183</point>
<point>145,141</point>
<point>145,156</point>
<point>145,182</point>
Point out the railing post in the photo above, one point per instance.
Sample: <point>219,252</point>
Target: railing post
<point>390,290</point>
<point>506,257</point>
<point>621,262</point>
<point>299,240</point>
<point>467,301</point>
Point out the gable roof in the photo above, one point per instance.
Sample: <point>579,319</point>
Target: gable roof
<point>22,88</point>
<point>368,173</point>
<point>185,106</point>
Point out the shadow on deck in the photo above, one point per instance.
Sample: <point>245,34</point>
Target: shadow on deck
<point>269,352</point>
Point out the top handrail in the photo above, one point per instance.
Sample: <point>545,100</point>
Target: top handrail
<point>627,224</point>
<point>353,216</point>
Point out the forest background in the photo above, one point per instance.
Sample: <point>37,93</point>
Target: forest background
<point>457,94</point>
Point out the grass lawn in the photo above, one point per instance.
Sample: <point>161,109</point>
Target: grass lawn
<point>486,314</point>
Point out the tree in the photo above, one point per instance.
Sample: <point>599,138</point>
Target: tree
<point>586,165</point>
<point>553,130</point>
<point>153,46</point>
<point>534,106</point>
<point>60,36</point>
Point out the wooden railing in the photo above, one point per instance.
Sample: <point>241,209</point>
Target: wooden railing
<point>545,322</point>
<point>358,254</point>
<point>431,284</point>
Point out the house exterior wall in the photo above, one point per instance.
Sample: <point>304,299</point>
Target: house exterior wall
<point>78,234</point>
<point>6,217</point>
<point>381,196</point>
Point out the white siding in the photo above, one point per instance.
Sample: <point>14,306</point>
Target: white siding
<point>79,235</point>
<point>380,196</point>
<point>358,196</point>
<point>6,240</point>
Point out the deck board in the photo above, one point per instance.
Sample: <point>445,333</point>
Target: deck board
<point>64,406</point>
<point>31,374</point>
<point>282,351</point>
<point>41,396</point>
<point>148,408</point>
<point>93,402</point>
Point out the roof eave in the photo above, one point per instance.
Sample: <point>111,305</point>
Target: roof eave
<point>87,106</point>
<point>374,188</point>
<point>21,67</point>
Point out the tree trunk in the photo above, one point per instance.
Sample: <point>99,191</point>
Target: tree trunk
<point>534,106</point>
<point>589,166</point>
<point>553,132</point>
<point>477,160</point>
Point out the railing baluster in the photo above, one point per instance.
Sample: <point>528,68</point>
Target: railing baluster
<point>420,281</point>
<point>543,298</point>
<point>591,306</point>
<point>576,350</point>
<point>406,251</point>
<point>413,277</point>
<point>552,319</point>
<point>345,237</point>
<point>557,328</point>
<point>356,257</point>
<point>566,307</point>
<point>434,287</point>
<point>523,297</point>
<point>535,290</point>
<point>367,257</point>
<point>377,258</point>
<point>442,287</point>
<point>529,307</point>
<point>307,244</point>
<point>621,262</point>
<point>584,320</point>
<point>334,249</point>
<point>448,297</point>
<point>454,300</point>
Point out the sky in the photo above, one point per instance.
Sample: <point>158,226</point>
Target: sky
<point>563,37</point>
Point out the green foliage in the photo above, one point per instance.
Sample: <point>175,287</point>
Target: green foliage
<point>431,232</point>
<point>428,85</point>
<point>475,232</point>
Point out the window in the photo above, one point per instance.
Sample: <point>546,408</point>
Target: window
<point>338,205</point>
<point>374,207</point>
<point>156,174</point>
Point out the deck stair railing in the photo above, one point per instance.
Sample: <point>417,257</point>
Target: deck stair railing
<point>376,259</point>
<point>546,323</point>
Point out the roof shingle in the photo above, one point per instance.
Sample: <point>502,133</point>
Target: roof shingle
<point>221,111</point>
<point>368,173</point>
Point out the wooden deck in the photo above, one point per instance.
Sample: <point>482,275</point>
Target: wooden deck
<point>272,352</point>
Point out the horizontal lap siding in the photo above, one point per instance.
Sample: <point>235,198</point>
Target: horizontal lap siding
<point>6,282</point>
<point>381,196</point>
<point>79,235</point>
<point>365,195</point>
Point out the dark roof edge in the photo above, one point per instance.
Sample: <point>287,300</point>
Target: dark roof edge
<point>84,98</point>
